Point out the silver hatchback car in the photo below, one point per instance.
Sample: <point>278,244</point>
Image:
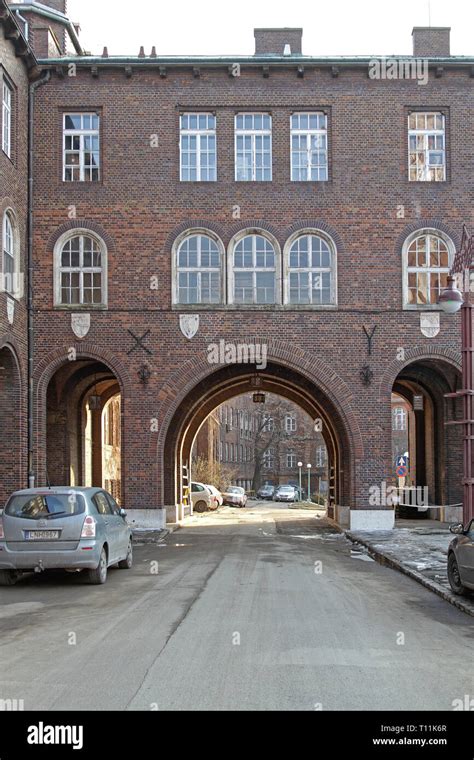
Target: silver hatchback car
<point>461,558</point>
<point>63,528</point>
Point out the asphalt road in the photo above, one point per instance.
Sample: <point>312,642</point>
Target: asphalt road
<point>262,608</point>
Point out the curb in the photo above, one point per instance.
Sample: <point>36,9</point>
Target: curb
<point>154,536</point>
<point>387,561</point>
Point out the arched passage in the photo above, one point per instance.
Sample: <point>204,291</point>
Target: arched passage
<point>236,379</point>
<point>83,428</point>
<point>434,446</point>
<point>11,414</point>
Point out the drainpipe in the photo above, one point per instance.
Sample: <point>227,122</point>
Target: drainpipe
<point>27,26</point>
<point>31,100</point>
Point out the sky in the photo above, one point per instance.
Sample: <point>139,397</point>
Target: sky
<point>214,27</point>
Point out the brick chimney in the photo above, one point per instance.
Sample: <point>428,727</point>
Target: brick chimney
<point>46,36</point>
<point>431,41</point>
<point>281,41</point>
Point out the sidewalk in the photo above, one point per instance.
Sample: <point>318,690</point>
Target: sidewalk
<point>419,549</point>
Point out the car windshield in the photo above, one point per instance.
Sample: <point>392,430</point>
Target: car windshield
<point>236,490</point>
<point>287,488</point>
<point>45,505</point>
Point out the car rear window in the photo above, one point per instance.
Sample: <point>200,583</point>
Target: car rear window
<point>45,506</point>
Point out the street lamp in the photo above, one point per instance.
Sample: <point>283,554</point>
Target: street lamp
<point>300,465</point>
<point>451,300</point>
<point>309,481</point>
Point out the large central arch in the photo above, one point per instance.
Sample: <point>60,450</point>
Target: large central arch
<point>278,378</point>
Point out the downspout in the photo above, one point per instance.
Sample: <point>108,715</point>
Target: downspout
<point>31,101</point>
<point>27,26</point>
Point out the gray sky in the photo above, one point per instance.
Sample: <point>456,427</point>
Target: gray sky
<point>330,27</point>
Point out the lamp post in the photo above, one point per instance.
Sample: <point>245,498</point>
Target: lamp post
<point>452,300</point>
<point>309,481</point>
<point>300,465</point>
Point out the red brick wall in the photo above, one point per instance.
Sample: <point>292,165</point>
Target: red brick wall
<point>13,196</point>
<point>140,205</point>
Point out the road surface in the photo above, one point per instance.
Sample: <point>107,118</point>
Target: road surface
<point>262,608</point>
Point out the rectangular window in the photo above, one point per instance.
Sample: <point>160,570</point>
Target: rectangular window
<point>309,147</point>
<point>426,147</point>
<point>290,460</point>
<point>198,153</point>
<point>253,147</point>
<point>7,119</point>
<point>290,423</point>
<point>81,147</point>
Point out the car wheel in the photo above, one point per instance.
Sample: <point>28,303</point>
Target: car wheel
<point>200,506</point>
<point>8,577</point>
<point>454,576</point>
<point>98,576</point>
<point>126,564</point>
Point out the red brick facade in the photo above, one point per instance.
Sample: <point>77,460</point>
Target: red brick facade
<point>315,354</point>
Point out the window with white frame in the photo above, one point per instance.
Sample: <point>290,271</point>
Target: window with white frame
<point>399,418</point>
<point>309,147</point>
<point>427,266</point>
<point>290,423</point>
<point>253,147</point>
<point>8,258</point>
<point>426,147</point>
<point>291,459</point>
<point>320,456</point>
<point>198,147</point>
<point>7,97</point>
<point>220,451</point>
<point>254,271</point>
<point>268,459</point>
<point>226,452</point>
<point>198,271</point>
<point>311,271</point>
<point>81,147</point>
<point>268,424</point>
<point>81,272</point>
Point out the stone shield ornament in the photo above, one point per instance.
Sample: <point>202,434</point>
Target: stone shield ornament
<point>80,324</point>
<point>189,325</point>
<point>10,310</point>
<point>429,325</point>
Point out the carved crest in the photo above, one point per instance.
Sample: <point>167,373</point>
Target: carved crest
<point>189,325</point>
<point>10,310</point>
<point>80,324</point>
<point>429,324</point>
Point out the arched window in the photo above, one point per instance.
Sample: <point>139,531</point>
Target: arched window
<point>311,265</point>
<point>427,260</point>
<point>81,277</point>
<point>254,270</point>
<point>8,258</point>
<point>198,270</point>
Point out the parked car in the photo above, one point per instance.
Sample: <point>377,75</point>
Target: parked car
<point>201,497</point>
<point>287,493</point>
<point>266,492</point>
<point>235,496</point>
<point>461,558</point>
<point>63,528</point>
<point>217,500</point>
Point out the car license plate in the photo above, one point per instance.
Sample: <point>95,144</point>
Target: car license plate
<point>42,535</point>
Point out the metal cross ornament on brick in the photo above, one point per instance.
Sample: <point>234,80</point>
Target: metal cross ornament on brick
<point>139,342</point>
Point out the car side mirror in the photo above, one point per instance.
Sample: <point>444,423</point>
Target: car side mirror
<point>122,513</point>
<point>457,528</point>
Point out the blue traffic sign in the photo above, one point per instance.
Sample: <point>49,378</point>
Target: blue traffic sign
<point>402,461</point>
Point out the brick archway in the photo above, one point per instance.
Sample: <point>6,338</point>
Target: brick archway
<point>12,439</point>
<point>102,364</point>
<point>291,374</point>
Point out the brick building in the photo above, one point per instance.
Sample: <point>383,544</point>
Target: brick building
<point>281,201</point>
